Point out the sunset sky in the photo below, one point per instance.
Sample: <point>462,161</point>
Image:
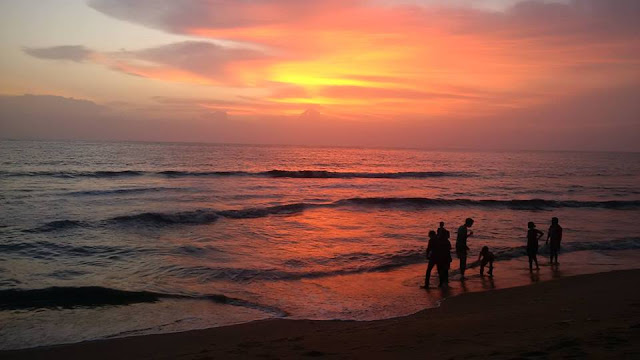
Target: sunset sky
<point>418,73</point>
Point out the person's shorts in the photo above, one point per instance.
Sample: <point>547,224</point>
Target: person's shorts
<point>484,262</point>
<point>531,251</point>
<point>554,246</point>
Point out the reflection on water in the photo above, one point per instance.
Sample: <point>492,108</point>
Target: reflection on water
<point>252,232</point>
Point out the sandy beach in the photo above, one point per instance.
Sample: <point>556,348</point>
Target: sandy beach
<point>586,316</point>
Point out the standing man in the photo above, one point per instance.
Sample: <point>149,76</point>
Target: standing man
<point>431,258</point>
<point>555,235</point>
<point>442,232</point>
<point>461,245</point>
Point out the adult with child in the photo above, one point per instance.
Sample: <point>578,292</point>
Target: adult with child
<point>554,237</point>
<point>462,250</point>
<point>533,235</point>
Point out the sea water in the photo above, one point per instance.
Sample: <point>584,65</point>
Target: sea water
<point>113,239</point>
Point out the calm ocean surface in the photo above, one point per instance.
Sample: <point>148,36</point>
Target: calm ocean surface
<point>114,239</point>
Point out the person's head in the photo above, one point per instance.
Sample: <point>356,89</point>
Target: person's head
<point>432,234</point>
<point>485,249</point>
<point>441,224</point>
<point>554,220</point>
<point>468,222</point>
<point>531,225</point>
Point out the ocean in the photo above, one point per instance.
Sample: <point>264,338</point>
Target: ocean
<point>109,239</point>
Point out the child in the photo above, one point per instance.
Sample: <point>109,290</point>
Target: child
<point>486,257</point>
<point>533,235</point>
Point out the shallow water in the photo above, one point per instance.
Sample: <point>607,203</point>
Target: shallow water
<point>170,237</point>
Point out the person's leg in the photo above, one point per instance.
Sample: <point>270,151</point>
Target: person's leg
<point>482,269</point>
<point>535,259</point>
<point>530,262</point>
<point>463,264</point>
<point>443,271</point>
<point>427,275</point>
<point>491,268</point>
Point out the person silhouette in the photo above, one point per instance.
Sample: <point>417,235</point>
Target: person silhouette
<point>486,257</point>
<point>442,256</point>
<point>533,235</point>
<point>443,233</point>
<point>461,245</point>
<point>554,237</point>
<point>433,238</point>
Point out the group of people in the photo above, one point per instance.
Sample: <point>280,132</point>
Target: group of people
<point>439,249</point>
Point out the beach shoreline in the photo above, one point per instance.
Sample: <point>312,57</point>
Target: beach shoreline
<point>595,315</point>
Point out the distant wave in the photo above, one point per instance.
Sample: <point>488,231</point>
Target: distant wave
<point>118,191</point>
<point>208,216</point>
<point>49,250</point>
<point>188,217</point>
<point>294,174</point>
<point>310,174</point>
<point>366,262</point>
<point>74,174</point>
<point>58,225</point>
<point>531,204</point>
<point>95,296</point>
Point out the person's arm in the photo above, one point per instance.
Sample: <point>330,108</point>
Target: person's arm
<point>548,236</point>
<point>540,234</point>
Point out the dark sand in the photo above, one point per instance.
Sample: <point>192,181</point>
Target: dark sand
<point>587,316</point>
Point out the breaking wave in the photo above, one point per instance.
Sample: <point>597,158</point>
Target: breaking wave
<point>354,263</point>
<point>96,296</point>
<point>208,216</point>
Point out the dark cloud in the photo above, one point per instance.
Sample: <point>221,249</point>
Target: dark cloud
<point>77,53</point>
<point>177,16</point>
<point>528,18</point>
<point>572,21</point>
<point>202,58</point>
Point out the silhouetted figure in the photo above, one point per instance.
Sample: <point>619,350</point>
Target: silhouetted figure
<point>430,246</point>
<point>554,237</point>
<point>443,233</point>
<point>461,245</point>
<point>486,257</point>
<point>533,235</point>
<point>441,255</point>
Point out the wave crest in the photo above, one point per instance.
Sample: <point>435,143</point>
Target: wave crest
<point>208,216</point>
<point>95,296</point>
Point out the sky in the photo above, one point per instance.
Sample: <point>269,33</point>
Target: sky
<point>469,74</point>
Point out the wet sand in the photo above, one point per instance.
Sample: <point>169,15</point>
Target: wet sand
<point>586,316</point>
